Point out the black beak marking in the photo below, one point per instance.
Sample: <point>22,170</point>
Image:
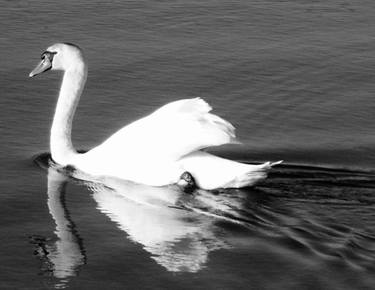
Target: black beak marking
<point>48,54</point>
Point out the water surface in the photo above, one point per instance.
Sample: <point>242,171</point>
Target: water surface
<point>295,78</point>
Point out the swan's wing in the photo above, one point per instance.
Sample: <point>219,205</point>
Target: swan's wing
<point>171,132</point>
<point>189,126</point>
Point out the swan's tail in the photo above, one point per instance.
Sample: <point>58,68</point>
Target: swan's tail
<point>268,165</point>
<point>253,175</point>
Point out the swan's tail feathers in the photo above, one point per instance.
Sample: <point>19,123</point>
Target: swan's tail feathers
<point>247,179</point>
<point>268,165</point>
<point>262,173</point>
<point>252,175</point>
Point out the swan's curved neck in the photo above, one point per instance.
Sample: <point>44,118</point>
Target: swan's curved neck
<point>62,149</point>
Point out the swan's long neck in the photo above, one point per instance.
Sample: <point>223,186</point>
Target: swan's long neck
<point>62,149</point>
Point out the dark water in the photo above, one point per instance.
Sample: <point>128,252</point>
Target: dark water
<point>295,77</point>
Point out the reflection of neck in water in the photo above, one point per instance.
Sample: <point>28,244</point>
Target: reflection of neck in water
<point>67,254</point>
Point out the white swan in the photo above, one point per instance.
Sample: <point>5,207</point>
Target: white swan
<point>155,150</point>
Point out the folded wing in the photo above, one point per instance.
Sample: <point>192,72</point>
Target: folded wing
<point>174,130</point>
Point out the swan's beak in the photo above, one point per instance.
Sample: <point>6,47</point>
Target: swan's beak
<point>43,66</point>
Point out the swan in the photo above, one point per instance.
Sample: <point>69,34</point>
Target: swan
<point>157,150</point>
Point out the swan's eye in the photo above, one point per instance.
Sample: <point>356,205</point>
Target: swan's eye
<point>48,54</point>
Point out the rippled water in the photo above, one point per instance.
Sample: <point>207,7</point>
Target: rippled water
<point>295,78</point>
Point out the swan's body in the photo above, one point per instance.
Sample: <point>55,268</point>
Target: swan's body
<point>154,150</point>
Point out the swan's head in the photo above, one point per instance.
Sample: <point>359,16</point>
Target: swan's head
<point>60,56</point>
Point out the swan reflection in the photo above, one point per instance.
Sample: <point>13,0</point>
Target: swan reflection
<point>178,230</point>
<point>176,238</point>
